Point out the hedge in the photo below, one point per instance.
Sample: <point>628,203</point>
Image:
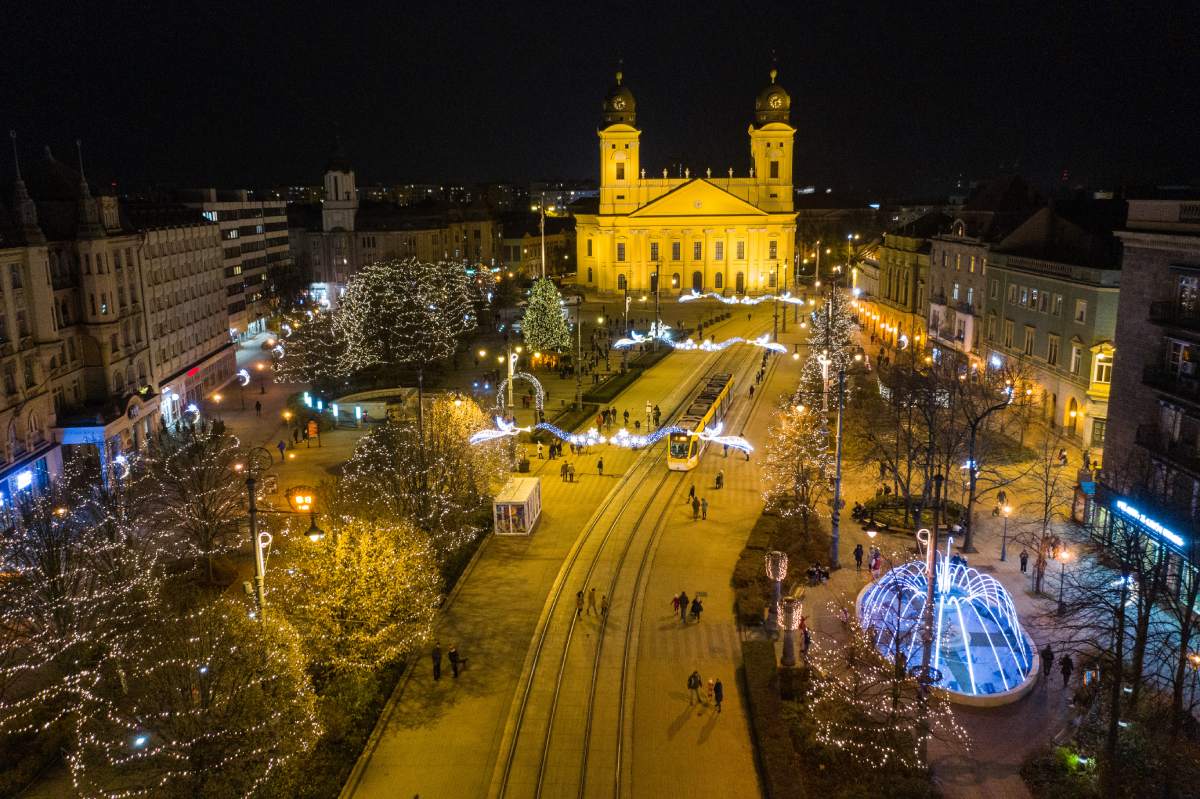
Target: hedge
<point>780,765</point>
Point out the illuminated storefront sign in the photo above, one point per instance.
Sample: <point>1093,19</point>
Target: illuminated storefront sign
<point>1133,513</point>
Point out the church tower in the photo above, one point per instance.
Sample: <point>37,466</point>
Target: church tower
<point>619,161</point>
<point>341,193</point>
<point>771,138</point>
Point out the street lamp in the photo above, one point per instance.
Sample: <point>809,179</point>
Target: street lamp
<point>791,616</point>
<point>303,499</point>
<point>1063,556</point>
<point>1004,536</point>
<point>258,460</point>
<point>776,564</point>
<point>262,386</point>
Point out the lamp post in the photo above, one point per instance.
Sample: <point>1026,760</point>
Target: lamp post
<point>262,384</point>
<point>1063,556</point>
<point>776,564</point>
<point>835,516</point>
<point>258,460</point>
<point>303,499</point>
<point>578,353</point>
<point>1004,536</point>
<point>791,616</point>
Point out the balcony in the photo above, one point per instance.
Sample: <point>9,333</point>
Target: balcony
<point>1171,314</point>
<point>1180,453</point>
<point>1178,384</point>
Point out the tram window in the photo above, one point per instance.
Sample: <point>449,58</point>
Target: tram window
<point>694,448</point>
<point>679,446</point>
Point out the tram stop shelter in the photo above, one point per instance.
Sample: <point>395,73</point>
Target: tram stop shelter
<point>517,506</point>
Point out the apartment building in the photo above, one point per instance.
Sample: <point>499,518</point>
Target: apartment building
<point>897,314</point>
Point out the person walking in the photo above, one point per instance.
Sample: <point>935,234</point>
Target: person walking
<point>657,416</point>
<point>578,604</point>
<point>604,606</point>
<point>704,508</point>
<point>675,604</point>
<point>1067,667</point>
<point>437,661</point>
<point>625,416</point>
<point>709,693</point>
<point>281,447</point>
<point>1001,497</point>
<point>695,508</point>
<point>718,693</point>
<point>693,684</point>
<point>571,473</point>
<point>562,471</point>
<point>257,408</point>
<point>697,608</point>
<point>691,493</point>
<point>858,556</point>
<point>600,466</point>
<point>592,602</point>
<point>1024,560</point>
<point>456,662</point>
<point>683,606</point>
<point>751,392</point>
<point>1047,660</point>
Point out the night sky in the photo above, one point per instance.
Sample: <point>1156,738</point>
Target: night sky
<point>888,98</point>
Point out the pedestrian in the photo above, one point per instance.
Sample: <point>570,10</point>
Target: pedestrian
<point>637,425</point>
<point>697,608</point>
<point>562,471</point>
<point>691,493</point>
<point>807,640</point>
<point>718,694</point>
<point>281,447</point>
<point>704,508</point>
<point>578,604</point>
<point>726,448</point>
<point>437,661</point>
<point>858,556</point>
<point>626,417</point>
<point>600,466</point>
<point>1024,560</point>
<point>693,684</point>
<point>456,662</point>
<point>751,392</point>
<point>709,693</point>
<point>695,509</point>
<point>683,606</point>
<point>539,450</point>
<point>657,415</point>
<point>1001,497</point>
<point>1047,660</point>
<point>675,604</point>
<point>571,473</point>
<point>295,436</point>
<point>592,602</point>
<point>1067,667</point>
<point>257,408</point>
<point>604,605</point>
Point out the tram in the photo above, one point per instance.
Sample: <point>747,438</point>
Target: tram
<point>707,410</point>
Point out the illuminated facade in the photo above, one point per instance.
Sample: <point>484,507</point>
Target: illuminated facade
<point>712,233</point>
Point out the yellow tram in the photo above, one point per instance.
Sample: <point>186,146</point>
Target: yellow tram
<point>707,410</point>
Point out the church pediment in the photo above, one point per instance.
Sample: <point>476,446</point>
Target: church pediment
<point>698,197</point>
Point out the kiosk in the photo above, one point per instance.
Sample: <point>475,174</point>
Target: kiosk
<point>518,505</point>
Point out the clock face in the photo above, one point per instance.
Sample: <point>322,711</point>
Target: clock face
<point>776,101</point>
<point>619,103</point>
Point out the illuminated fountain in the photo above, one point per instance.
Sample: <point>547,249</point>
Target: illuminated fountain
<point>980,654</point>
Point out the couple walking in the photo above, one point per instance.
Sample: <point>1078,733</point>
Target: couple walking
<point>715,692</point>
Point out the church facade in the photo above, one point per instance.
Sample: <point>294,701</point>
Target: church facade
<point>724,234</point>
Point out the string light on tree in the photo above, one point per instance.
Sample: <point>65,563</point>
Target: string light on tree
<point>544,324</point>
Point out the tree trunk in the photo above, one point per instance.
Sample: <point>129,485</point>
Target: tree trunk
<point>1110,770</point>
<point>969,538</point>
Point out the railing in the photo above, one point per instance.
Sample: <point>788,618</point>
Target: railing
<point>1180,385</point>
<point>1180,453</point>
<point>1169,312</point>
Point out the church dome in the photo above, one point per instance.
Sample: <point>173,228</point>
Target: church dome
<point>619,105</point>
<point>773,104</point>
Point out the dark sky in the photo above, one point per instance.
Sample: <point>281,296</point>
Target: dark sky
<point>887,97</point>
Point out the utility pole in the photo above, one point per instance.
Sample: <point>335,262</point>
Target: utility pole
<point>785,292</point>
<point>578,354</point>
<point>837,474</point>
<point>542,232</point>
<point>925,680</point>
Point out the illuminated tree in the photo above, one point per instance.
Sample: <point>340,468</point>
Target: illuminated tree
<point>831,330</point>
<point>438,481</point>
<point>797,463</point>
<point>362,597</point>
<point>209,704</point>
<point>544,326</point>
<point>197,493</point>
<point>314,353</point>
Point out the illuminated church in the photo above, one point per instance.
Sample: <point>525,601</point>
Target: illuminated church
<point>732,235</point>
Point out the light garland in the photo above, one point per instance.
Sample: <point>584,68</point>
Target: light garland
<point>796,464</point>
<point>539,392</point>
<point>787,297</point>
<point>622,438</point>
<point>707,345</point>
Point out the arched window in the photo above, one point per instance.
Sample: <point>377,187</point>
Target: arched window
<point>675,280</point>
<point>697,281</point>
<point>35,428</point>
<point>14,443</point>
<point>118,382</point>
<point>15,273</point>
<point>771,279</point>
<point>719,280</point>
<point>620,285</point>
<point>740,284</point>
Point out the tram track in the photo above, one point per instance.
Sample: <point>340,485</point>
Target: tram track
<point>608,541</point>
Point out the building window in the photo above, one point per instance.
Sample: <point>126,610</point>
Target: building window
<point>621,286</point>
<point>971,267</point>
<point>1058,305</point>
<point>719,280</point>
<point>1076,358</point>
<point>15,273</point>
<point>589,251</point>
<point>589,274</point>
<point>620,170</point>
<point>1030,339</point>
<point>675,251</point>
<point>772,249</point>
<point>1044,302</point>
<point>1080,311</point>
<point>1099,428</point>
<point>970,296</point>
<point>697,250</point>
<point>741,250</point>
<point>620,253</point>
<point>675,280</point>
<point>774,170</point>
<point>1008,333</point>
<point>719,251</point>
<point>1052,350</point>
<point>654,251</point>
<point>954,293</point>
<point>958,262</point>
<point>991,328</point>
<point>1012,295</point>
<point>1102,369</point>
<point>1024,297</point>
<point>995,291</point>
<point>1033,298</point>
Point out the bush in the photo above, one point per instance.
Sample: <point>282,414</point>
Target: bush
<point>1056,771</point>
<point>781,767</point>
<point>24,757</point>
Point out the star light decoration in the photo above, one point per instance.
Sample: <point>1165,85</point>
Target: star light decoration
<point>622,438</point>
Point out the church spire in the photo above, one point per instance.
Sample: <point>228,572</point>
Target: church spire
<point>89,213</point>
<point>23,205</point>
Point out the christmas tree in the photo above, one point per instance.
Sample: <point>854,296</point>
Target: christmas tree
<point>544,326</point>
